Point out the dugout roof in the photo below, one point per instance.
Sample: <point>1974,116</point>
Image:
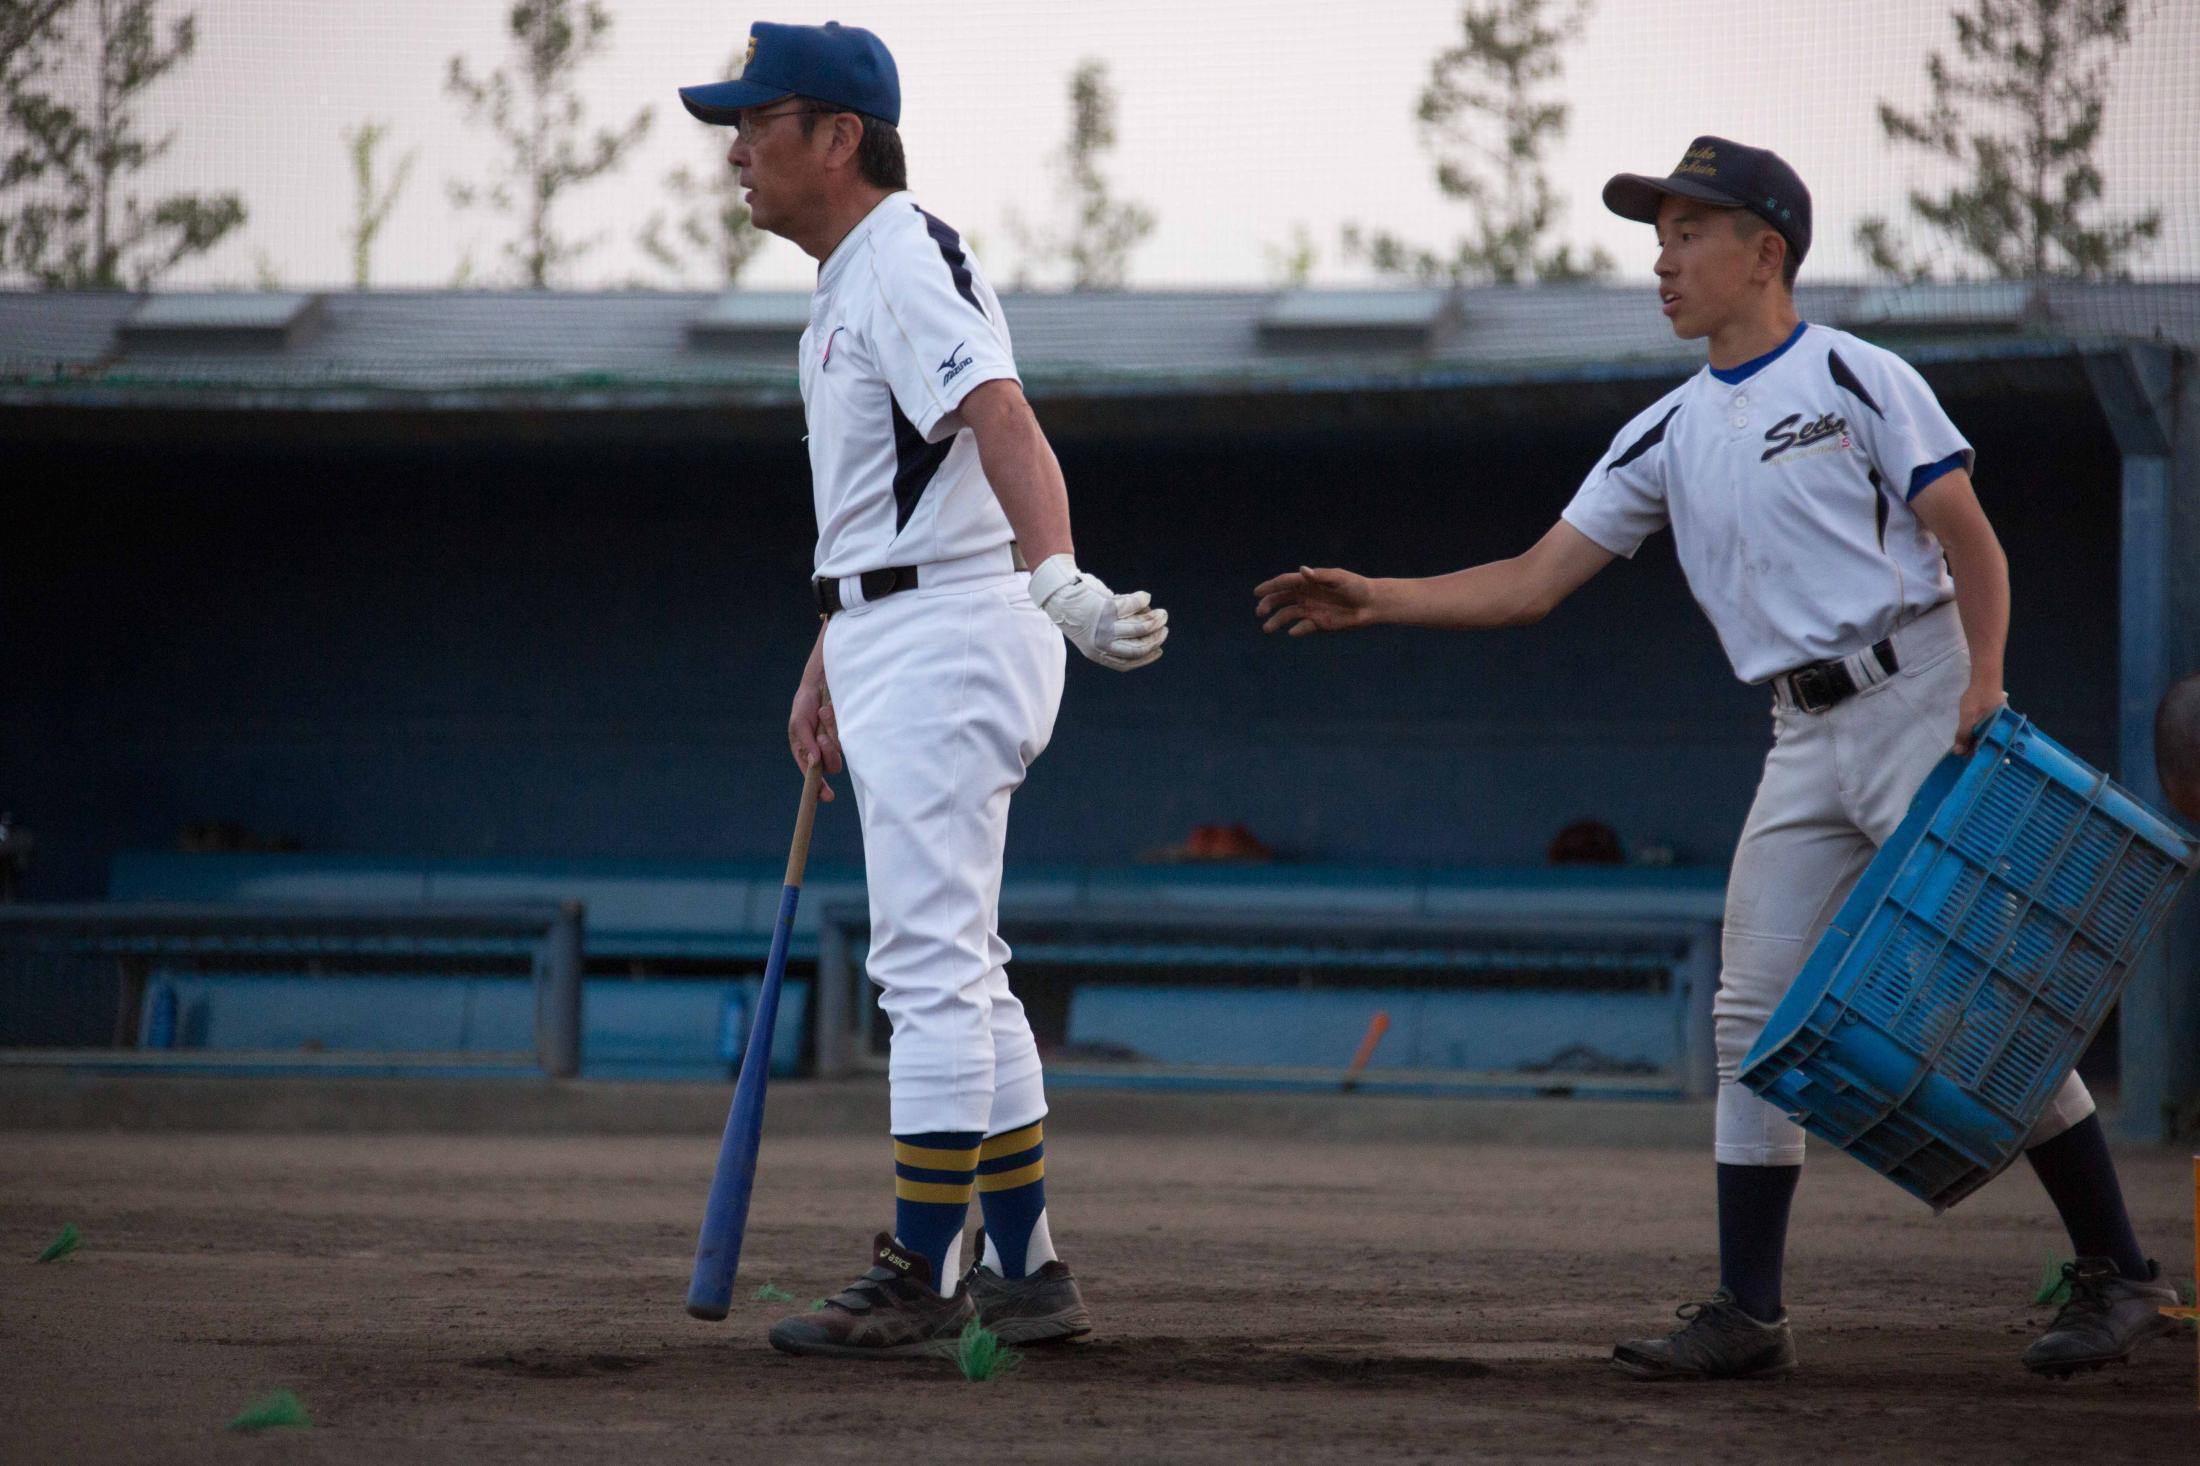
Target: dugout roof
<point>1106,361</point>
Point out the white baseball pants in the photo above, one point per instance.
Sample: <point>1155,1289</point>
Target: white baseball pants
<point>944,696</point>
<point>1836,784</point>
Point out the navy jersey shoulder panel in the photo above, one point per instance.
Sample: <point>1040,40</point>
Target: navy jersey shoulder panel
<point>916,462</point>
<point>1644,443</point>
<point>1846,379</point>
<point>951,251</point>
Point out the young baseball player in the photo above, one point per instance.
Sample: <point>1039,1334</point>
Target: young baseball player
<point>943,659</point>
<point>1821,504</point>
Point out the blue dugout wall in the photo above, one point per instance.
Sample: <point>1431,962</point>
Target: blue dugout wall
<point>558,653</point>
<point>508,648</point>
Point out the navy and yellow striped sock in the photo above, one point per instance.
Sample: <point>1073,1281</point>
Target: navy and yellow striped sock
<point>932,1178</point>
<point>1012,1191</point>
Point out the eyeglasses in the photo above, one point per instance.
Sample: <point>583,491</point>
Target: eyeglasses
<point>751,126</point>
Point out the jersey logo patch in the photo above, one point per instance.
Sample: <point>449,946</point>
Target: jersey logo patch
<point>1784,434</point>
<point>955,363</point>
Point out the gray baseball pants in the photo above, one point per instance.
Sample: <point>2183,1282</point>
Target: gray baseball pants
<point>1835,786</point>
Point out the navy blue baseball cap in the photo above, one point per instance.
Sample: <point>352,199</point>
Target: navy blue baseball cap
<point>1730,174</point>
<point>841,64</point>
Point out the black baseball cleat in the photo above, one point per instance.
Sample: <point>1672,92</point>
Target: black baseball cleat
<point>1716,1341</point>
<point>2106,1315</point>
<point>891,1312</point>
<point>1043,1308</point>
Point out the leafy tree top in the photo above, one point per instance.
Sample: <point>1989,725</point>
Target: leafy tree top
<point>2020,108</point>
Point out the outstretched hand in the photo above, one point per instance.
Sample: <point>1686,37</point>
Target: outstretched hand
<point>1305,601</point>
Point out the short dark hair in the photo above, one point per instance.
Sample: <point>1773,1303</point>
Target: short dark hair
<point>1747,224</point>
<point>2177,740</point>
<point>879,158</point>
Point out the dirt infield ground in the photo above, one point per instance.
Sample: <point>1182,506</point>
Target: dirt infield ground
<point>437,1298</point>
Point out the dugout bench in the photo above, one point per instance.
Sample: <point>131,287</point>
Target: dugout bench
<point>1492,981</point>
<point>1536,981</point>
<point>140,943</point>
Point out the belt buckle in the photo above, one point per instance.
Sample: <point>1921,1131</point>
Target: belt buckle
<point>1812,688</point>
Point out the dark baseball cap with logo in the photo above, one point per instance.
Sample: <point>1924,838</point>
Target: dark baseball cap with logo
<point>1730,174</point>
<point>841,64</point>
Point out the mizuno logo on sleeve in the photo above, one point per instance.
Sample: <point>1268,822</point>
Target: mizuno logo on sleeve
<point>953,366</point>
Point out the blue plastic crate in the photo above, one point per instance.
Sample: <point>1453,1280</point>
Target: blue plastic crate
<point>1973,961</point>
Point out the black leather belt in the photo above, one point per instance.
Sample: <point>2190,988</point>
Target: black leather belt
<point>1820,685</point>
<point>876,584</point>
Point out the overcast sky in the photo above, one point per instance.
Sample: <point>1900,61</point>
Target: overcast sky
<point>1240,119</point>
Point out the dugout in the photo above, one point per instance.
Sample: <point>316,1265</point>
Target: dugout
<point>478,574</point>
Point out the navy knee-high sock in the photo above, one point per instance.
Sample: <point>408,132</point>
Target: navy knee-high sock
<point>2080,1179</point>
<point>933,1176</point>
<point>1753,1226</point>
<point>1012,1192</point>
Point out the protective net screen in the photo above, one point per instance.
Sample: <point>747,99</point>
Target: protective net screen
<point>1144,180</point>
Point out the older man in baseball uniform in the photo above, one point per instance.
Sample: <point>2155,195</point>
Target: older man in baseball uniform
<point>936,674</point>
<point>1822,507</point>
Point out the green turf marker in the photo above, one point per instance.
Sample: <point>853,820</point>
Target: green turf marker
<point>981,1355</point>
<point>279,1411</point>
<point>2054,1288</point>
<point>69,1241</point>
<point>770,1294</point>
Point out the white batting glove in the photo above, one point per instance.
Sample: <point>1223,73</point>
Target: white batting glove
<point>1121,632</point>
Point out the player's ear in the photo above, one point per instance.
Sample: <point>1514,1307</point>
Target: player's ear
<point>1771,254</point>
<point>847,139</point>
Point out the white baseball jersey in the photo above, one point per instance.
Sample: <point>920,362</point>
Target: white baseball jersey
<point>902,327</point>
<point>1788,483</point>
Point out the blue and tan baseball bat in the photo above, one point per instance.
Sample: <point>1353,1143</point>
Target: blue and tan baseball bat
<point>726,1217</point>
